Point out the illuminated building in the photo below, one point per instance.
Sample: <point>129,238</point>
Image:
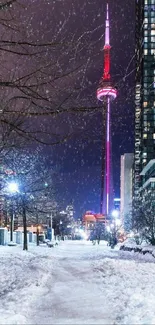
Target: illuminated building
<point>105,93</point>
<point>145,92</point>
<point>90,220</point>
<point>117,202</point>
<point>126,189</point>
<point>143,176</point>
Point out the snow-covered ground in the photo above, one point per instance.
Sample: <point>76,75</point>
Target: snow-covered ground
<point>76,283</point>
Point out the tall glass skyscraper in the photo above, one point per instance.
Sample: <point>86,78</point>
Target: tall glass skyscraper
<point>145,90</point>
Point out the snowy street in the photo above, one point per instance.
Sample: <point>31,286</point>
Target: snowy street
<point>76,283</point>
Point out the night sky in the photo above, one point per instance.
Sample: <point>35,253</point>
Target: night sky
<point>77,162</point>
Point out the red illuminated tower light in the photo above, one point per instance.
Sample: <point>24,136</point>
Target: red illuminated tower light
<point>105,93</point>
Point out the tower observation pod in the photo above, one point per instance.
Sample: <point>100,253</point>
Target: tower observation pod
<point>106,92</point>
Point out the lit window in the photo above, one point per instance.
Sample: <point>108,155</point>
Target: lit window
<point>146,52</point>
<point>145,104</point>
<point>146,39</point>
<point>145,13</point>
<point>152,32</point>
<point>145,20</point>
<point>144,161</point>
<point>154,136</point>
<point>146,2</point>
<point>145,136</point>
<point>152,38</point>
<point>144,154</point>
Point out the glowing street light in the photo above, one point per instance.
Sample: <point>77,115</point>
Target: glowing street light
<point>13,187</point>
<point>115,213</point>
<point>118,222</point>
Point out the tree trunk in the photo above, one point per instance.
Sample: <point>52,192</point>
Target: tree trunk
<point>25,247</point>
<point>37,230</point>
<point>152,240</point>
<point>37,235</point>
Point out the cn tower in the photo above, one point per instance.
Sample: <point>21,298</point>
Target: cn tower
<point>106,92</point>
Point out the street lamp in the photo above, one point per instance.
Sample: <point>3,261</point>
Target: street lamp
<point>115,226</point>
<point>61,229</point>
<point>12,189</point>
<point>115,213</point>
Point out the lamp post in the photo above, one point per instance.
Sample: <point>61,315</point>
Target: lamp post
<point>13,189</point>
<point>49,229</point>
<point>51,224</point>
<point>11,221</point>
<point>60,229</point>
<point>115,226</point>
<point>37,219</point>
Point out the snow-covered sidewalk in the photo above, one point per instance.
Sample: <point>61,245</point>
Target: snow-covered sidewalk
<point>22,277</point>
<point>76,283</point>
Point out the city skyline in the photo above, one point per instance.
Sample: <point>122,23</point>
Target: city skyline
<point>76,162</point>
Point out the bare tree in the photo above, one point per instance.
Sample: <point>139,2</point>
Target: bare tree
<point>40,74</point>
<point>45,70</point>
<point>35,195</point>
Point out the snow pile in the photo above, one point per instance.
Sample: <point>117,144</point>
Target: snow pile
<point>22,275</point>
<point>144,248</point>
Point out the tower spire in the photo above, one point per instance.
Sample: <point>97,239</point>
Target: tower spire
<point>107,34</point>
<point>106,72</point>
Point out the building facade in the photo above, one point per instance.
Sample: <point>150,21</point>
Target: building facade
<point>126,189</point>
<point>144,92</point>
<point>117,203</point>
<point>93,221</point>
<point>146,222</point>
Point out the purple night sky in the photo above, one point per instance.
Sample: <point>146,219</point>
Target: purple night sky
<point>77,162</point>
